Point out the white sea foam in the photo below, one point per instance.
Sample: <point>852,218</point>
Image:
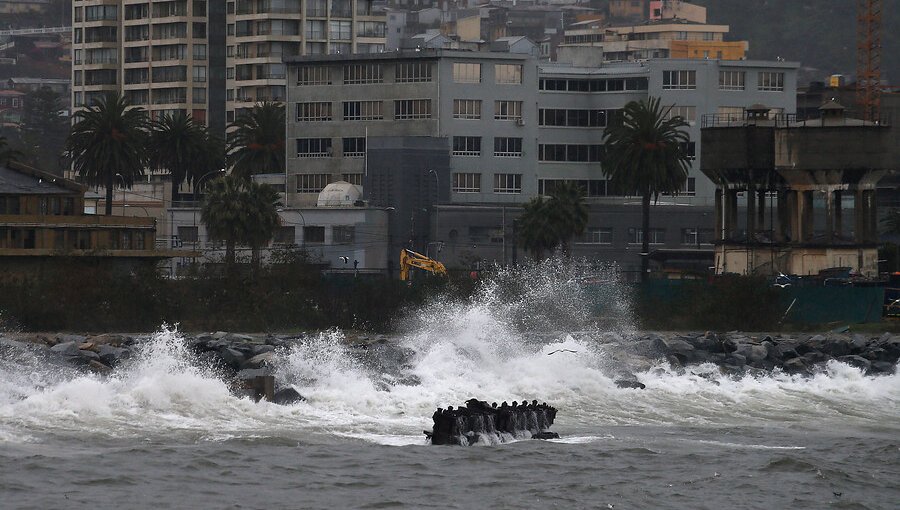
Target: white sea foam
<point>499,346</point>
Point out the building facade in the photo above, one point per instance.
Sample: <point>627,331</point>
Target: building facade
<point>511,127</point>
<point>208,59</point>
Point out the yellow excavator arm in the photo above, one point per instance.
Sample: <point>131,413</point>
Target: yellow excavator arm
<point>410,259</point>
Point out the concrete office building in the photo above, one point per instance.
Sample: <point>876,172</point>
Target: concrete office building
<point>501,128</point>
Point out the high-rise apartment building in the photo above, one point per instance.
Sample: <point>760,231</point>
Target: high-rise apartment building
<point>261,33</point>
<point>209,59</point>
<point>155,53</point>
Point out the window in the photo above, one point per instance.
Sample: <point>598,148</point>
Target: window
<point>507,183</point>
<point>315,235</point>
<point>657,236</point>
<point>363,110</point>
<point>589,187</point>
<point>285,235</point>
<point>466,183</point>
<point>467,146</point>
<point>343,234</point>
<point>596,235</point>
<point>688,113</point>
<point>313,112</point>
<point>507,147</point>
<point>679,80</point>
<point>313,75</point>
<point>771,81</point>
<point>508,74</point>
<point>414,72</point>
<point>188,234</point>
<point>199,96</point>
<point>466,73</point>
<point>467,109</point>
<point>314,147</point>
<point>557,117</point>
<point>731,80</point>
<point>408,109</point>
<point>508,110</point>
<point>311,183</point>
<point>199,74</point>
<point>696,237</point>
<point>597,85</point>
<point>316,29</point>
<point>340,30</point>
<point>362,73</point>
<point>354,148</point>
<point>689,149</point>
<point>571,153</point>
<point>354,179</point>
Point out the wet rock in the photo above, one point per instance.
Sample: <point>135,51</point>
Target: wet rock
<point>856,361</point>
<point>795,365</point>
<point>858,343</point>
<point>288,396</point>
<point>99,367</point>
<point>751,353</point>
<point>232,357</point>
<point>882,367</point>
<point>65,338</point>
<point>112,355</point>
<point>545,435</point>
<point>260,349</point>
<point>259,360</point>
<point>66,349</point>
<point>630,384</point>
<point>90,355</point>
<point>252,373</point>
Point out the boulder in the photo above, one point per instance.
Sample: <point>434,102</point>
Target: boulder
<point>232,357</point>
<point>883,367</point>
<point>858,343</point>
<point>259,349</point>
<point>98,366</point>
<point>856,361</point>
<point>252,373</point>
<point>259,360</point>
<point>288,396</point>
<point>90,355</point>
<point>630,384</point>
<point>112,355</point>
<point>66,349</point>
<point>751,353</point>
<point>795,365</point>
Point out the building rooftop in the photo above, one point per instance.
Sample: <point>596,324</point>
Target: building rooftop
<point>19,179</point>
<point>405,54</point>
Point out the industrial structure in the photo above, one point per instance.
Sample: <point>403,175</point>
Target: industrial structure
<point>807,188</point>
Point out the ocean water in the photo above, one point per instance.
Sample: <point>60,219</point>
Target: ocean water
<point>163,431</point>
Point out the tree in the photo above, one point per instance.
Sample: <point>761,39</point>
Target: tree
<point>109,139</point>
<point>240,212</point>
<point>7,154</point>
<point>549,224</point>
<point>177,145</point>
<point>256,141</point>
<point>645,156</point>
<point>262,217</point>
<point>44,129</point>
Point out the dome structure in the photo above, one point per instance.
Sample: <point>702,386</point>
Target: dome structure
<point>339,194</point>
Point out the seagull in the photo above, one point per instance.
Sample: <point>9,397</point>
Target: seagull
<point>561,350</point>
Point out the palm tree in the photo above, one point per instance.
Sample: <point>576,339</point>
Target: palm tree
<point>256,141</point>
<point>645,157</point>
<point>223,212</point>
<point>109,138</point>
<point>7,153</point>
<point>547,224</point>
<point>176,145</point>
<point>261,218</point>
<point>568,213</point>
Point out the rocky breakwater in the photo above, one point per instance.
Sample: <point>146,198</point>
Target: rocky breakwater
<point>795,354</point>
<point>480,422</point>
<point>244,361</point>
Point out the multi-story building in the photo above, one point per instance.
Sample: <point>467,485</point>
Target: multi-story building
<point>262,33</point>
<point>208,59</point>
<point>493,129</point>
<point>165,56</point>
<point>667,38</point>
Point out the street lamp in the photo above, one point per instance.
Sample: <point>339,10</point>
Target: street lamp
<point>202,177</point>
<point>124,196</point>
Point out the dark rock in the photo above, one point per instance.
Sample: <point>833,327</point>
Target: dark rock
<point>232,357</point>
<point>288,396</point>
<point>91,355</point>
<point>751,353</point>
<point>883,367</point>
<point>254,372</point>
<point>795,365</point>
<point>545,435</point>
<point>259,360</point>
<point>112,355</point>
<point>260,349</point>
<point>858,343</point>
<point>856,361</point>
<point>636,385</point>
<point>99,367</point>
<point>813,357</point>
<point>736,360</point>
<point>66,349</point>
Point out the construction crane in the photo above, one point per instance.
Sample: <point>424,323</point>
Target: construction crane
<point>410,259</point>
<point>868,58</point>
